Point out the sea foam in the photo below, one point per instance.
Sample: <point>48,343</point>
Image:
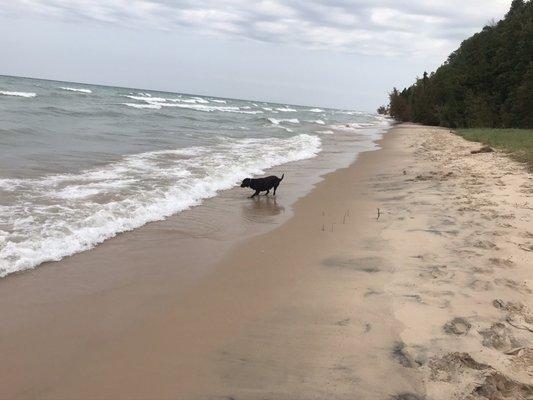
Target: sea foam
<point>59,215</point>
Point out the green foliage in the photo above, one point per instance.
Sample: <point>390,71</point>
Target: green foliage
<point>382,110</point>
<point>517,142</point>
<point>486,82</point>
<point>398,106</point>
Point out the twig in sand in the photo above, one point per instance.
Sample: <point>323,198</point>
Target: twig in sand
<point>323,228</point>
<point>379,213</point>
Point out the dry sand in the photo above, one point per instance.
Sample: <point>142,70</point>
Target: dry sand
<point>428,301</point>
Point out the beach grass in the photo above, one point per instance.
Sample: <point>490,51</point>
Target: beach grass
<point>518,143</point>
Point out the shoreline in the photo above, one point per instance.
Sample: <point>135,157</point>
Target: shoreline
<point>219,216</point>
<point>331,303</point>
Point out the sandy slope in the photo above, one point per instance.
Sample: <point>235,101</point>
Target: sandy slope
<point>461,231</point>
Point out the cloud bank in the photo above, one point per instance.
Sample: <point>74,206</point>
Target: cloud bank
<point>380,27</point>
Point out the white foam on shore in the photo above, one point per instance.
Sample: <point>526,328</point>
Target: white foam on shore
<point>18,94</point>
<point>59,215</point>
<point>80,90</point>
<point>319,122</point>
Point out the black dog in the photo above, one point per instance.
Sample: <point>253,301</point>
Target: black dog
<point>262,184</point>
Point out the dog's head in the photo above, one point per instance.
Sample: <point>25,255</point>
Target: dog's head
<point>246,182</point>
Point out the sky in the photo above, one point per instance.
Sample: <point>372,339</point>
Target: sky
<point>338,53</point>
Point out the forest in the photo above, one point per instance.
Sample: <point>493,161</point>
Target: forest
<point>486,83</point>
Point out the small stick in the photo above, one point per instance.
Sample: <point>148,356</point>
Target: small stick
<point>379,213</point>
<point>323,228</point>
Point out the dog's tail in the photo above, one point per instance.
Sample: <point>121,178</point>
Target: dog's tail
<point>282,176</point>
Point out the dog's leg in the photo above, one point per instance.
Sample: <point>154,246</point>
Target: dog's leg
<point>268,191</point>
<point>275,188</point>
<point>255,194</point>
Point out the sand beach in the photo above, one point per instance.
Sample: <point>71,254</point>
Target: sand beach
<point>405,276</point>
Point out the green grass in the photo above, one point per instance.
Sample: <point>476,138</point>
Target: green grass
<point>518,143</point>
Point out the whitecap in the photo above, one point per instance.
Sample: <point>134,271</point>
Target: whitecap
<point>18,94</point>
<point>201,100</point>
<point>152,106</point>
<point>70,89</point>
<point>289,120</point>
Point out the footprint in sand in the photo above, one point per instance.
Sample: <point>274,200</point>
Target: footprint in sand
<point>522,360</point>
<point>406,355</point>
<point>480,285</point>
<point>485,245</point>
<point>476,380</point>
<point>451,366</point>
<point>457,326</point>
<point>512,284</point>
<point>501,262</point>
<point>499,337</point>
<point>498,386</point>
<point>518,314</point>
<point>482,270</point>
<point>436,272</point>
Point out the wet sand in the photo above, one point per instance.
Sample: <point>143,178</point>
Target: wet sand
<point>430,300</point>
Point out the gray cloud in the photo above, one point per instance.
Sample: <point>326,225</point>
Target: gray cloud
<point>381,27</point>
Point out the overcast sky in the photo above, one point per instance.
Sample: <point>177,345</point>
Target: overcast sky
<point>338,53</point>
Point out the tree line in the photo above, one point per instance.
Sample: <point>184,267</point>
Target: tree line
<point>486,82</point>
